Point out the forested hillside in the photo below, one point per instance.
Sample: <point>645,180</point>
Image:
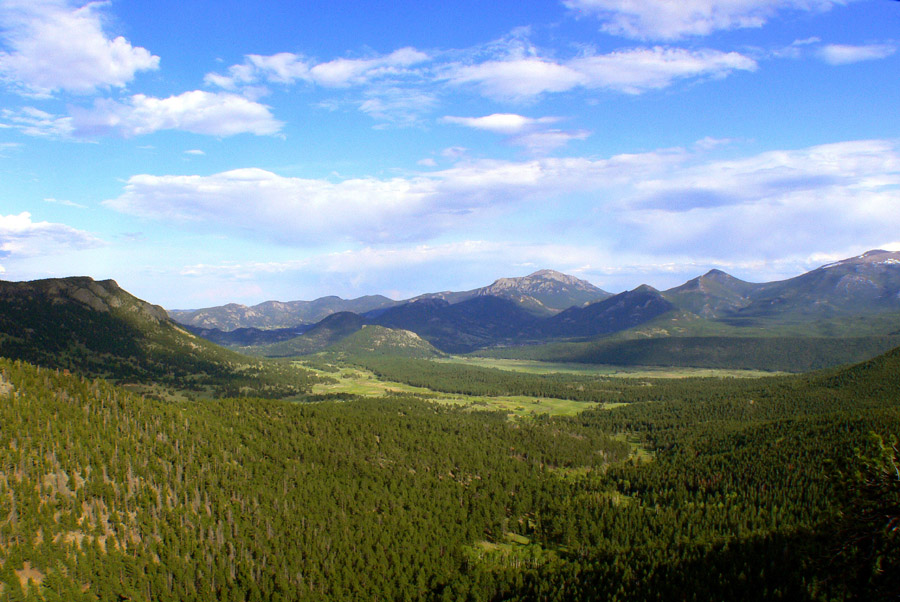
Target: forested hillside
<point>694,489</point>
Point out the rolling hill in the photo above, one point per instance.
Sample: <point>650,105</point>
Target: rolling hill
<point>378,340</point>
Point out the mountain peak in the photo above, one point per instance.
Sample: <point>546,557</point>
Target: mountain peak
<point>717,274</point>
<point>544,291</point>
<point>645,288</point>
<point>554,275</point>
<point>873,257</point>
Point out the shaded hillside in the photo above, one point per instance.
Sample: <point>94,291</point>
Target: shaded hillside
<point>330,330</point>
<point>712,295</point>
<point>867,284</point>
<point>464,326</point>
<point>247,337</point>
<point>97,328</point>
<point>620,312</point>
<point>774,353</point>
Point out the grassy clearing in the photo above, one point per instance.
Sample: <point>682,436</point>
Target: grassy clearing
<point>514,551</point>
<point>356,381</point>
<point>537,367</point>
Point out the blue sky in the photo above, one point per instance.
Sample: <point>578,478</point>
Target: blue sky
<point>209,152</point>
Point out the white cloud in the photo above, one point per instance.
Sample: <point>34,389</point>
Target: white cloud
<point>195,151</point>
<point>55,46</point>
<point>708,143</point>
<point>501,123</point>
<point>304,212</point>
<point>774,204</point>
<point>528,132</point>
<point>364,270</point>
<point>200,112</point>
<point>670,203</point>
<point>7,147</point>
<point>34,122</point>
<point>632,71</point>
<point>22,237</point>
<point>840,54</point>
<point>398,105</point>
<point>545,142</point>
<point>640,69</point>
<point>517,78</point>
<point>65,203</point>
<point>671,20</point>
<point>345,72</point>
<point>287,68</point>
<point>295,211</point>
<point>386,79</point>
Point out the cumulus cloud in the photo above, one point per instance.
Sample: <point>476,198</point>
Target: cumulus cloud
<point>671,202</point>
<point>842,193</point>
<point>198,111</point>
<point>290,210</point>
<point>302,212</point>
<point>22,237</point>
<point>55,46</point>
<point>841,54</point>
<point>668,20</point>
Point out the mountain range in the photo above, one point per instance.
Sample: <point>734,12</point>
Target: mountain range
<point>544,292</point>
<point>856,296</point>
<point>841,312</point>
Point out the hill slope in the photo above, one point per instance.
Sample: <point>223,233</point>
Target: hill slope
<point>379,340</point>
<point>98,329</point>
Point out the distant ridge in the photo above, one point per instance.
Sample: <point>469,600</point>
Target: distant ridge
<point>544,292</point>
<point>276,314</point>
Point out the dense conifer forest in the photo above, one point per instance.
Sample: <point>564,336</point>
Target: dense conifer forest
<point>693,489</point>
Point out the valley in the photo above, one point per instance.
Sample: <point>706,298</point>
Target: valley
<point>552,301</point>
<point>139,461</point>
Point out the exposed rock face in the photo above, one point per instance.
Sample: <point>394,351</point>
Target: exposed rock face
<point>103,295</point>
